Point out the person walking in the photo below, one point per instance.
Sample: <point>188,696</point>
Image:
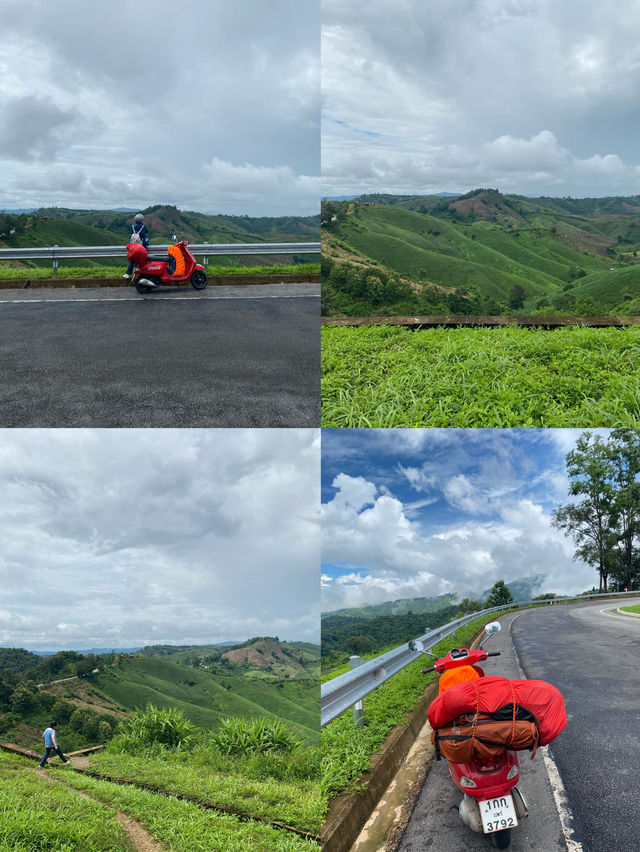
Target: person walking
<point>51,744</point>
<point>140,229</point>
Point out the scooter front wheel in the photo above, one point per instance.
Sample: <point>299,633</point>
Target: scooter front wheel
<point>501,839</point>
<point>199,279</point>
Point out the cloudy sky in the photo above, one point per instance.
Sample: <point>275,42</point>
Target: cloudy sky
<point>530,96</point>
<point>410,512</point>
<point>210,105</point>
<point>118,538</point>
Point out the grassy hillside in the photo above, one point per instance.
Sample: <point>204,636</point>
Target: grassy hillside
<point>264,678</point>
<point>206,697</point>
<point>480,253</point>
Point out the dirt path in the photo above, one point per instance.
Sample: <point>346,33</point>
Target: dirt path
<point>142,840</point>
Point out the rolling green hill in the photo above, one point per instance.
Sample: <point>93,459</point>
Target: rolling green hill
<point>480,253</point>
<point>205,697</point>
<point>263,677</point>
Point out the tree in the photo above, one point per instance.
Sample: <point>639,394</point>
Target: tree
<point>517,297</point>
<point>590,469</point>
<point>359,645</point>
<point>624,454</point>
<point>468,605</point>
<point>499,595</point>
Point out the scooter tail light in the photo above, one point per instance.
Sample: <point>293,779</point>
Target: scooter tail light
<point>513,772</point>
<point>467,782</point>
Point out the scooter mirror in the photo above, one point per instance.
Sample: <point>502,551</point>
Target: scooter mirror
<point>492,627</point>
<point>416,645</point>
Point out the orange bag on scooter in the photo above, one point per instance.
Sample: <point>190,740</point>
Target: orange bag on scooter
<point>482,736</point>
<point>490,694</point>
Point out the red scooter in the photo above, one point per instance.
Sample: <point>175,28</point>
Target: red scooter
<point>177,267</point>
<point>489,769</point>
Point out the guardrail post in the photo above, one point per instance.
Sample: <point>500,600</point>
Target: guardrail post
<point>55,262</point>
<point>358,712</point>
<point>205,259</point>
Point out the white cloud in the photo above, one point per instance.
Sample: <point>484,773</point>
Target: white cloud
<point>211,82</point>
<point>531,96</point>
<point>166,536</point>
<point>379,554</point>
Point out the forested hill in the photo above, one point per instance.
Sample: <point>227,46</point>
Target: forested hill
<point>481,253</point>
<point>57,225</point>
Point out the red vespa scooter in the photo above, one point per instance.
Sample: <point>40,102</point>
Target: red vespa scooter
<point>489,769</point>
<point>177,267</point>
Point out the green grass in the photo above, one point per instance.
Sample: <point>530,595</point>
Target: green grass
<point>632,608</point>
<point>381,376</point>
<point>46,272</point>
<point>271,788</point>
<point>347,750</point>
<point>184,826</point>
<point>36,814</point>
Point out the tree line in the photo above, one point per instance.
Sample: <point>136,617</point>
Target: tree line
<point>604,519</point>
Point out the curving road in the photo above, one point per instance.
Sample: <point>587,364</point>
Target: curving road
<point>591,655</point>
<point>241,356</point>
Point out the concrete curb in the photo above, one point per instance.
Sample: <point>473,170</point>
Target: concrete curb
<point>214,281</point>
<point>348,813</point>
<point>32,755</point>
<point>632,614</point>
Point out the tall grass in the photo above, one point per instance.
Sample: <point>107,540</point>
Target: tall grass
<point>253,736</point>
<point>157,726</point>
<point>498,377</point>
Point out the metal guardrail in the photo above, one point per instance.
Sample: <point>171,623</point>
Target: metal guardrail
<point>206,250</point>
<point>342,692</point>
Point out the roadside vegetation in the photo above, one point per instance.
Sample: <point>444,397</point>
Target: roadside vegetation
<point>8,273</point>
<point>382,376</point>
<point>347,750</point>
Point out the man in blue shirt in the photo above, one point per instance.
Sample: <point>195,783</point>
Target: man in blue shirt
<point>140,229</point>
<point>51,744</point>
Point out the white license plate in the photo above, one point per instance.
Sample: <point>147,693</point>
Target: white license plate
<point>498,814</point>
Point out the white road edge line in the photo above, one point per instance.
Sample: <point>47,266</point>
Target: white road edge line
<point>153,299</point>
<point>558,789</point>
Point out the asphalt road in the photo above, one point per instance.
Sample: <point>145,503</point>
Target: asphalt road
<point>592,655</point>
<point>435,823</point>
<point>240,356</point>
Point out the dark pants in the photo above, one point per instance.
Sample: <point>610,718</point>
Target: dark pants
<point>47,752</point>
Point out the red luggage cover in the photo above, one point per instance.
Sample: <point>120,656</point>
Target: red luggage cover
<point>136,253</point>
<point>488,694</point>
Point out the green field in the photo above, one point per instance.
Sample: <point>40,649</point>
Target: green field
<point>65,810</point>
<point>383,376</point>
<point>634,608</point>
<point>394,255</point>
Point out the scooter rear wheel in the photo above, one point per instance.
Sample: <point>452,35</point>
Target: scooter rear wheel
<point>501,839</point>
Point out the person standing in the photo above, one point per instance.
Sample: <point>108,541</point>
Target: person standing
<point>140,229</point>
<point>51,744</point>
